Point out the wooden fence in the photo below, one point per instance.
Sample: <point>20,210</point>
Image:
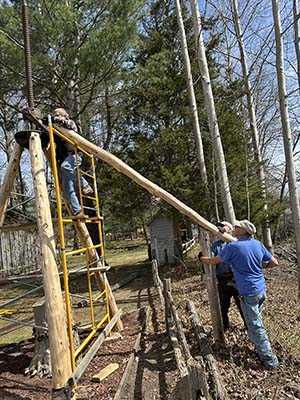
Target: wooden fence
<point>19,252</point>
<point>200,377</point>
<point>187,246</point>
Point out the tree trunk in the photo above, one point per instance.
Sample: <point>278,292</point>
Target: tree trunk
<point>212,116</point>
<point>191,93</point>
<point>253,126</point>
<point>286,132</point>
<point>296,38</point>
<point>41,361</point>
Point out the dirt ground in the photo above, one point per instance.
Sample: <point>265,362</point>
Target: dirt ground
<point>154,373</point>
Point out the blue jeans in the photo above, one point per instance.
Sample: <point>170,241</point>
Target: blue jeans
<point>69,180</point>
<point>252,307</point>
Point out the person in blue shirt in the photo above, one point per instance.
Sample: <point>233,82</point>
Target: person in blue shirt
<point>247,257</point>
<point>226,283</point>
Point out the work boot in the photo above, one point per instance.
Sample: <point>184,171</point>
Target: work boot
<point>80,215</point>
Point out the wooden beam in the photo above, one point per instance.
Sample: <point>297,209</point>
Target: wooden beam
<point>212,290</point>
<point>26,226</point>
<point>9,180</point>
<point>58,339</point>
<point>144,182</point>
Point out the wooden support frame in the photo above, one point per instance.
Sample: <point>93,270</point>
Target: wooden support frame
<point>9,180</point>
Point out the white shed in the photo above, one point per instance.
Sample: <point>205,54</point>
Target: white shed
<point>163,239</point>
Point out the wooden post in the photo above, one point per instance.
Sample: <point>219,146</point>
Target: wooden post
<point>167,289</point>
<point>179,327</point>
<point>212,289</point>
<point>9,180</point>
<point>57,329</point>
<point>157,282</point>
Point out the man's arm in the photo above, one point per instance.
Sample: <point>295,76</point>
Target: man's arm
<point>211,260</point>
<point>271,263</point>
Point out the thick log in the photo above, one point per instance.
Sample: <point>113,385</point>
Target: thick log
<point>9,180</point>
<point>179,327</point>
<point>180,359</point>
<point>212,290</point>
<point>192,384</point>
<point>40,363</point>
<point>197,380</point>
<point>58,339</point>
<point>206,352</point>
<point>144,182</point>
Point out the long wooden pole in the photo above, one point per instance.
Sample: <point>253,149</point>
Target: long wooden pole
<point>151,187</point>
<point>9,180</point>
<point>58,339</point>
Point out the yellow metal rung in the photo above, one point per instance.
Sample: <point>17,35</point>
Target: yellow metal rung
<point>7,312</point>
<point>87,174</point>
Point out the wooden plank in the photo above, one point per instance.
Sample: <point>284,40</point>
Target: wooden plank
<point>105,372</point>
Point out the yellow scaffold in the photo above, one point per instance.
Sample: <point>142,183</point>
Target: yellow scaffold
<point>90,271</point>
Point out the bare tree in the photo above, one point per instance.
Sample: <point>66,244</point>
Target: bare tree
<point>286,132</point>
<point>296,38</point>
<point>204,238</point>
<point>190,88</point>
<point>212,116</point>
<point>253,125</point>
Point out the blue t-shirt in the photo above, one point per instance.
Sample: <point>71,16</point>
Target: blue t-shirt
<point>223,267</point>
<point>246,257</point>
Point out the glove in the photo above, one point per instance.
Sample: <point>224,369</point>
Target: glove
<point>59,120</point>
<point>200,255</point>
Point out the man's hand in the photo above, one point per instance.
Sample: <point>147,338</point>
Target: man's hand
<point>200,255</point>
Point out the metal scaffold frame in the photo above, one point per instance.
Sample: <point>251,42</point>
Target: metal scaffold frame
<point>95,326</point>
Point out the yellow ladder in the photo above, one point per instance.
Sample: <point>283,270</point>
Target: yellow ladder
<point>90,271</point>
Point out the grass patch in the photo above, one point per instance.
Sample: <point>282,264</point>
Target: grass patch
<point>125,257</point>
<point>116,254</point>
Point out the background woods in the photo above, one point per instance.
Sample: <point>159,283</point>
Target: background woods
<point>119,69</point>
